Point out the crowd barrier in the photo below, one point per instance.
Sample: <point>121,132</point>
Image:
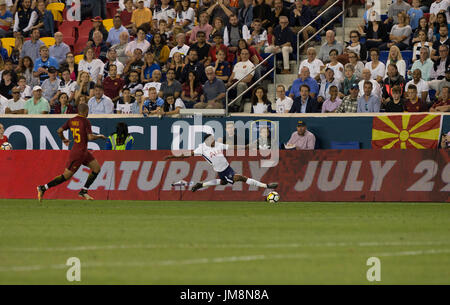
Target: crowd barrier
<point>331,175</point>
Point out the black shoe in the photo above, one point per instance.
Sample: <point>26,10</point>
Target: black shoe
<point>83,194</point>
<point>273,185</point>
<point>41,190</point>
<point>197,186</point>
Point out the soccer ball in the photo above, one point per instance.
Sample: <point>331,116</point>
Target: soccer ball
<point>6,146</point>
<point>273,197</point>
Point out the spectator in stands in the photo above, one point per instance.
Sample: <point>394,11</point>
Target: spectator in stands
<point>283,42</point>
<point>141,15</point>
<point>444,39</point>
<point>100,103</point>
<point>260,102</point>
<point>302,139</point>
<point>91,65</point>
<point>218,28</point>
<point>111,57</point>
<point>25,90</point>
<point>218,45</point>
<point>376,34</point>
<point>413,102</point>
<point>160,49</point>
<point>126,14</point>
<point>356,46</point>
<point>203,26</point>
<point>232,34</point>
<point>255,36</point>
<point>43,63</point>
<point>193,64</point>
<point>221,66</point>
<point>242,71</point>
<point>376,67</point>
<point>37,104</point>
<point>393,79</point>
<point>395,8</point>
<point>424,64</point>
<point>304,79</point>
<point>444,83</point>
<point>278,10</point>
<point>422,86</point>
<point>177,63</point>
<point>333,102</point>
<point>148,68</point>
<point>395,57</point>
<point>443,103</point>
<point>368,102</point>
<point>191,90</point>
<point>165,32</point>
<point>24,19</point>
<point>126,103</point>
<point>50,86</point>
<point>396,103</point>
<point>171,106</point>
<point>70,65</point>
<point>135,63</point>
<point>350,102</point>
<point>171,87</point>
<point>153,103</point>
<point>85,85</point>
<point>415,13</point>
<point>45,22</point>
<point>114,32</point>
<point>283,102</point>
<point>67,85</point>
<point>261,11</point>
<point>330,44</point>
<point>304,103</point>
<point>6,85</point>
<point>17,49</point>
<point>336,66</point>
<point>350,78</point>
<point>201,47</point>
<point>113,83</point>
<point>121,48</point>
<point>6,20</point>
<point>312,63</point>
<point>31,47</point>
<point>97,25</point>
<point>62,106</point>
<point>140,43</point>
<point>185,15</point>
<point>222,9</point>
<point>400,34</point>
<point>99,46</point>
<point>439,67</point>
<point>245,15</point>
<point>181,47</point>
<point>422,26</point>
<point>164,12</point>
<point>299,18</point>
<point>16,105</point>
<point>440,20</point>
<point>213,91</point>
<point>59,50</point>
<point>445,140</point>
<point>437,7</point>
<point>328,80</point>
<point>422,43</point>
<point>9,67</point>
<point>155,83</point>
<point>367,77</point>
<point>356,63</point>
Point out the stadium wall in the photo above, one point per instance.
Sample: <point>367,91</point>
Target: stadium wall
<point>152,133</point>
<point>332,175</point>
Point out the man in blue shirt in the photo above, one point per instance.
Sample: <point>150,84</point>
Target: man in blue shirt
<point>114,32</point>
<point>304,103</point>
<point>368,102</point>
<point>153,103</point>
<point>43,63</point>
<point>304,79</point>
<point>100,103</point>
<point>6,19</point>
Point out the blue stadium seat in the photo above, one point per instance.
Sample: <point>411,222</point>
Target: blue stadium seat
<point>384,56</point>
<point>345,145</point>
<point>407,56</point>
<point>383,17</point>
<point>432,94</point>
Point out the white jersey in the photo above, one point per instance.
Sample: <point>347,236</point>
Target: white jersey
<point>214,155</point>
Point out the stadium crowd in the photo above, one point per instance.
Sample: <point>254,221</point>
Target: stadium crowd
<point>155,57</point>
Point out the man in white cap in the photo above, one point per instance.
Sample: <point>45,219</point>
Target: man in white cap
<point>37,104</point>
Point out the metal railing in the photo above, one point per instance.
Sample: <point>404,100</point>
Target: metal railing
<point>318,32</point>
<point>254,84</point>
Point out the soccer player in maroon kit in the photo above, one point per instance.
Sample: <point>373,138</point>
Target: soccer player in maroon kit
<point>79,155</point>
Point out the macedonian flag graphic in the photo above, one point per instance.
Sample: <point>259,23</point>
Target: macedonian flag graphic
<point>406,131</point>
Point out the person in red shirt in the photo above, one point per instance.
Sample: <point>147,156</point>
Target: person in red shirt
<point>413,102</point>
<point>79,154</point>
<point>113,84</point>
<point>443,102</point>
<point>218,45</point>
<point>3,138</point>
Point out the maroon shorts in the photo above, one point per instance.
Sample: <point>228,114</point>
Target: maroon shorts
<point>76,159</point>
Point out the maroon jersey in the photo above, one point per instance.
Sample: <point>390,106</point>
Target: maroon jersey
<point>80,128</point>
<point>418,106</point>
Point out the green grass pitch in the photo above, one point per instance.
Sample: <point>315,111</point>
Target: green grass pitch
<point>130,242</point>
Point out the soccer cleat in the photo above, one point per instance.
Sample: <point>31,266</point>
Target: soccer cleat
<point>273,185</point>
<point>83,194</point>
<point>197,186</point>
<point>41,191</point>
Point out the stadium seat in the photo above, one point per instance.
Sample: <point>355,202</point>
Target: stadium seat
<point>8,44</point>
<point>78,58</point>
<point>57,10</point>
<point>108,24</point>
<point>383,17</point>
<point>111,9</point>
<point>69,28</point>
<point>432,94</point>
<point>345,145</point>
<point>70,41</point>
<point>407,56</point>
<point>384,56</point>
<point>49,41</point>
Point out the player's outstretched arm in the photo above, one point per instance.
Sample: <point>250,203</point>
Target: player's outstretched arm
<point>182,156</point>
<point>93,137</point>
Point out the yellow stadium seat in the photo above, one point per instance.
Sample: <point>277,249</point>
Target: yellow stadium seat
<point>49,41</point>
<point>108,23</point>
<point>78,58</point>
<point>8,44</point>
<point>57,10</point>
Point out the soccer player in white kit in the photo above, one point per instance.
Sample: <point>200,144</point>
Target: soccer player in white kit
<point>212,151</point>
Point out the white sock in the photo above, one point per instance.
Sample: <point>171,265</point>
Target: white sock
<point>212,182</point>
<point>46,187</point>
<point>253,182</point>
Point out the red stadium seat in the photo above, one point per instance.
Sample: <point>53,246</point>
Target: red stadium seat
<point>70,41</point>
<point>69,28</point>
<point>111,9</point>
<point>84,28</point>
